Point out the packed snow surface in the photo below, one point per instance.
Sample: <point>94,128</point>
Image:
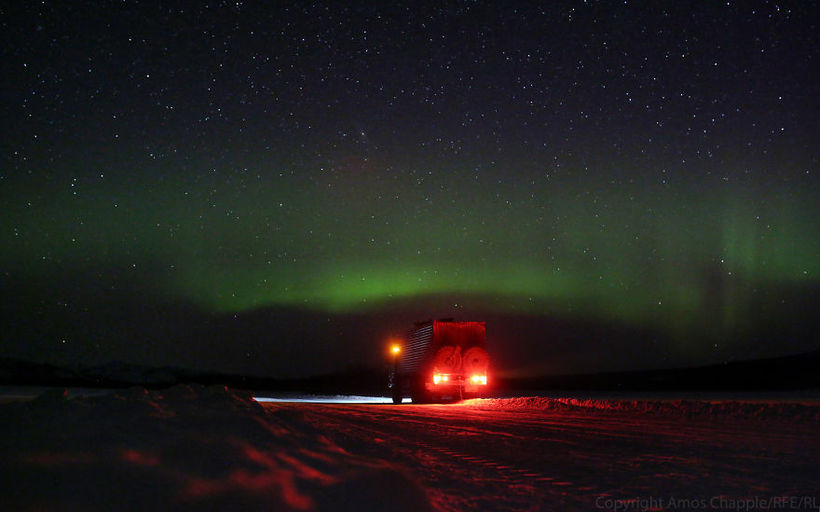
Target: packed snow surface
<point>209,448</point>
<point>661,408</point>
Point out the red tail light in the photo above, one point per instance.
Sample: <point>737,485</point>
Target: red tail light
<point>440,377</point>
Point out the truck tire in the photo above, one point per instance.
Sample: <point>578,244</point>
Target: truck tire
<point>395,384</point>
<point>476,361</point>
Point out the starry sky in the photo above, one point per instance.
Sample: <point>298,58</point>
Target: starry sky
<point>274,189</point>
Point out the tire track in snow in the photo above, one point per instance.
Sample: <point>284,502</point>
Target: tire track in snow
<point>564,460</point>
<point>503,468</point>
<point>366,425</point>
<point>436,461</point>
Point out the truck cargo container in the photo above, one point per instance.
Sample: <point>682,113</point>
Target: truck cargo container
<point>440,359</point>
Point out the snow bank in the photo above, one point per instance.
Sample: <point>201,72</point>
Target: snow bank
<point>184,448</point>
<point>674,408</point>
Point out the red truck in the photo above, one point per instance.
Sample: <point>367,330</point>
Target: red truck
<point>440,359</point>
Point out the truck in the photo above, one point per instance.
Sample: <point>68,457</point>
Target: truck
<point>438,360</point>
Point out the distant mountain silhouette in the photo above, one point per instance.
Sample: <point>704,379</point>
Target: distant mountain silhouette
<point>792,372</point>
<point>798,371</point>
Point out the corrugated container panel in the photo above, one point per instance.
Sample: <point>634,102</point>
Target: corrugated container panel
<point>418,340</point>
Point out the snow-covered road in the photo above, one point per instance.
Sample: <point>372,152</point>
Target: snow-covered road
<point>540,455</point>
<point>210,448</point>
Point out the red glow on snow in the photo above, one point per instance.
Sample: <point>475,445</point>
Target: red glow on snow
<point>241,479</point>
<point>274,479</point>
<point>317,455</point>
<point>139,458</point>
<point>303,470</point>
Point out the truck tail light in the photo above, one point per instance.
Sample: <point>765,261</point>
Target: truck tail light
<point>440,377</point>
<point>479,379</point>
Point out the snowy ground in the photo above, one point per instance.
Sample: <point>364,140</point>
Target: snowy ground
<point>195,448</point>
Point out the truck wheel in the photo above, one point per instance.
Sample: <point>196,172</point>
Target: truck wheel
<point>395,384</point>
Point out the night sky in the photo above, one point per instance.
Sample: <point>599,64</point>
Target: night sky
<point>245,187</point>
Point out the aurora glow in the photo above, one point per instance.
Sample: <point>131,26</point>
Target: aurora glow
<point>612,253</point>
<point>666,185</point>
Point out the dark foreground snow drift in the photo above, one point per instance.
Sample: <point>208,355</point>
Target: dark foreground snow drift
<point>209,448</point>
<point>185,448</point>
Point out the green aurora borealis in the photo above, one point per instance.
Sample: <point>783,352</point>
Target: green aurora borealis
<point>633,253</point>
<point>237,186</point>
